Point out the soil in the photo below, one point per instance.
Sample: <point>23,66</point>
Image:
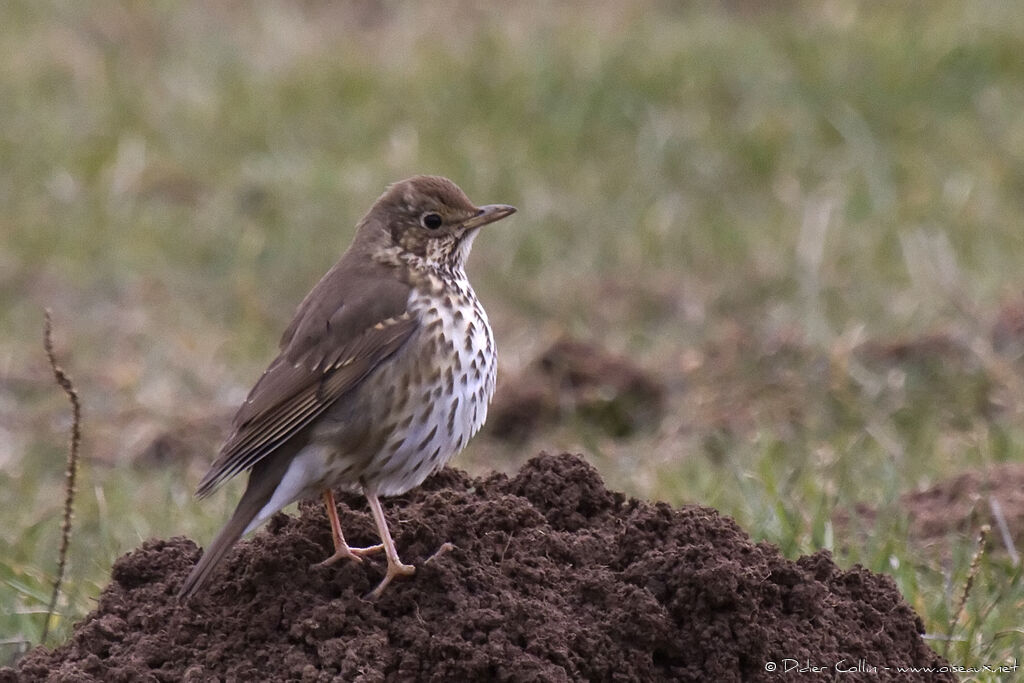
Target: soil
<point>952,510</point>
<point>962,504</point>
<point>577,380</point>
<point>552,577</point>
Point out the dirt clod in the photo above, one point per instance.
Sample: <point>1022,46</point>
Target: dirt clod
<point>552,577</point>
<point>960,505</point>
<point>582,380</point>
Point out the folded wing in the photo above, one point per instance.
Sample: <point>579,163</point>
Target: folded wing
<point>336,339</point>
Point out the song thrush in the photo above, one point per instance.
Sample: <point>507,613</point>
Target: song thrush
<point>384,374</point>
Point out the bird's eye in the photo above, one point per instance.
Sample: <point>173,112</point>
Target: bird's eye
<point>431,221</point>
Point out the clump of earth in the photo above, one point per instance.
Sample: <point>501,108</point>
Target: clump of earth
<point>953,510</point>
<point>550,576</point>
<point>576,379</point>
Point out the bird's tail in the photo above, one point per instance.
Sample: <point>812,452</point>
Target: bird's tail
<point>263,481</point>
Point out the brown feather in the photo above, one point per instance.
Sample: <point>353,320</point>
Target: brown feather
<point>352,320</point>
<point>263,479</point>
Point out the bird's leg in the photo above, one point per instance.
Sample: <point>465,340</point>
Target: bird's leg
<point>342,550</point>
<point>395,565</point>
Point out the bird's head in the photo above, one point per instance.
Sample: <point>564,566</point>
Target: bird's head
<point>429,221</point>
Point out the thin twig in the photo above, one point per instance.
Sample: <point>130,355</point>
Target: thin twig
<point>972,572</point>
<point>69,474</point>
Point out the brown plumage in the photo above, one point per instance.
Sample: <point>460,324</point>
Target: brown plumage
<point>383,375</point>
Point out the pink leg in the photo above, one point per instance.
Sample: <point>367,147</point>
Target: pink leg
<point>342,550</point>
<point>395,565</point>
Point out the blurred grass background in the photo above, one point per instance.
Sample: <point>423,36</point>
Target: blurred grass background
<point>739,197</point>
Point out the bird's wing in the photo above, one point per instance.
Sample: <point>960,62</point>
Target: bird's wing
<point>336,340</point>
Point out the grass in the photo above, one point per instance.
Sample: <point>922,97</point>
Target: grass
<point>735,196</point>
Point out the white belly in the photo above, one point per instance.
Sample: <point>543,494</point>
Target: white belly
<point>446,416</point>
<point>456,378</point>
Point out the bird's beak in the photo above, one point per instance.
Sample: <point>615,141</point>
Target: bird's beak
<point>488,214</point>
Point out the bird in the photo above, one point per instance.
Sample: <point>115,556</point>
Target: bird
<point>384,374</point>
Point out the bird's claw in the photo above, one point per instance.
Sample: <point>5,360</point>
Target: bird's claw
<point>348,553</point>
<point>394,570</point>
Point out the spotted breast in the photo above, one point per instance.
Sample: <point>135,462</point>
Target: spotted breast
<point>410,417</point>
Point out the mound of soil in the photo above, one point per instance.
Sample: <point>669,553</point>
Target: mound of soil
<point>960,505</point>
<point>952,510</point>
<point>579,380</point>
<point>552,577</point>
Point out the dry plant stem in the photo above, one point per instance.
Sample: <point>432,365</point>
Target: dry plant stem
<point>69,474</point>
<point>972,572</point>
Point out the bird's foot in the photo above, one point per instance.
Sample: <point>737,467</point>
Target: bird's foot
<point>349,553</point>
<point>446,547</point>
<point>394,569</point>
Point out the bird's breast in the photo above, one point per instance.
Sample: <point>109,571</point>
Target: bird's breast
<point>425,403</point>
<point>457,357</point>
